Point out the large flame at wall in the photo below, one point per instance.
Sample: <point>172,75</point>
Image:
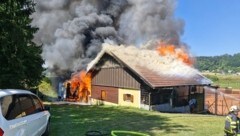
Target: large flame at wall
<point>81,86</point>
<point>180,53</point>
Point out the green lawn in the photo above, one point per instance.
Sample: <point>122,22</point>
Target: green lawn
<point>223,81</point>
<point>75,120</point>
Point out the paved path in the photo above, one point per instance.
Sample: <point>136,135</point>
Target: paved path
<point>69,103</point>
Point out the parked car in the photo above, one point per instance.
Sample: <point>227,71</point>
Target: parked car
<point>22,113</point>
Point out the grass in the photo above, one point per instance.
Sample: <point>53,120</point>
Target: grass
<point>224,80</point>
<point>76,120</point>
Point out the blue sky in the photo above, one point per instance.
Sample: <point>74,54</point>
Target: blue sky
<point>212,27</point>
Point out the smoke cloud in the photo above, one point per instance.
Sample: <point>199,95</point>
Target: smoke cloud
<point>72,31</point>
<point>151,20</point>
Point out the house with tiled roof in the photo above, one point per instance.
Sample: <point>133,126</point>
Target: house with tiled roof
<point>142,78</point>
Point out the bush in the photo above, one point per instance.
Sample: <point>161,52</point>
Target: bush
<point>213,78</point>
<point>46,90</point>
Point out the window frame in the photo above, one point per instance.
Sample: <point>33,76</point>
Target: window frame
<point>103,94</point>
<point>128,98</point>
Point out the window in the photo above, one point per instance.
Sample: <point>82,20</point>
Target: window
<point>5,104</point>
<point>103,95</point>
<point>10,107</point>
<point>27,104</point>
<point>16,106</point>
<point>37,104</point>
<point>128,97</point>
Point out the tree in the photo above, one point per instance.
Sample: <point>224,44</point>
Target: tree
<point>224,63</point>
<point>20,59</point>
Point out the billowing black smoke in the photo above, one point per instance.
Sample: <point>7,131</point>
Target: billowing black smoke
<point>72,31</point>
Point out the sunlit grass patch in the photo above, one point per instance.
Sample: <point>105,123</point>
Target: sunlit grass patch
<point>76,120</point>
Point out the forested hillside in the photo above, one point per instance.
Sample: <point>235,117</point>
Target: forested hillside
<point>221,64</point>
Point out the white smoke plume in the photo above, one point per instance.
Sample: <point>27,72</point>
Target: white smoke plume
<point>72,31</point>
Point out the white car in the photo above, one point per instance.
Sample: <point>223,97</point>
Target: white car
<point>22,114</point>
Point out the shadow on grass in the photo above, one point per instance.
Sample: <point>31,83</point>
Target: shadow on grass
<point>76,120</point>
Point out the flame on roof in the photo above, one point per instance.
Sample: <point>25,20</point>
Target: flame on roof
<point>152,67</point>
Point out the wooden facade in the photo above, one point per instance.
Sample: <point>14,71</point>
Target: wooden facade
<point>173,99</point>
<point>111,93</point>
<point>112,79</point>
<point>111,76</point>
<point>111,73</point>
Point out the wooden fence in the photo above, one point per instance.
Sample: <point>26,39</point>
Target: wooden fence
<point>218,101</point>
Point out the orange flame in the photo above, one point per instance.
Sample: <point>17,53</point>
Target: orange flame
<point>81,84</point>
<point>179,53</point>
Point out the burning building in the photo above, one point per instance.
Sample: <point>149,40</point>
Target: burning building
<point>147,79</point>
<point>78,87</point>
<point>72,33</point>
